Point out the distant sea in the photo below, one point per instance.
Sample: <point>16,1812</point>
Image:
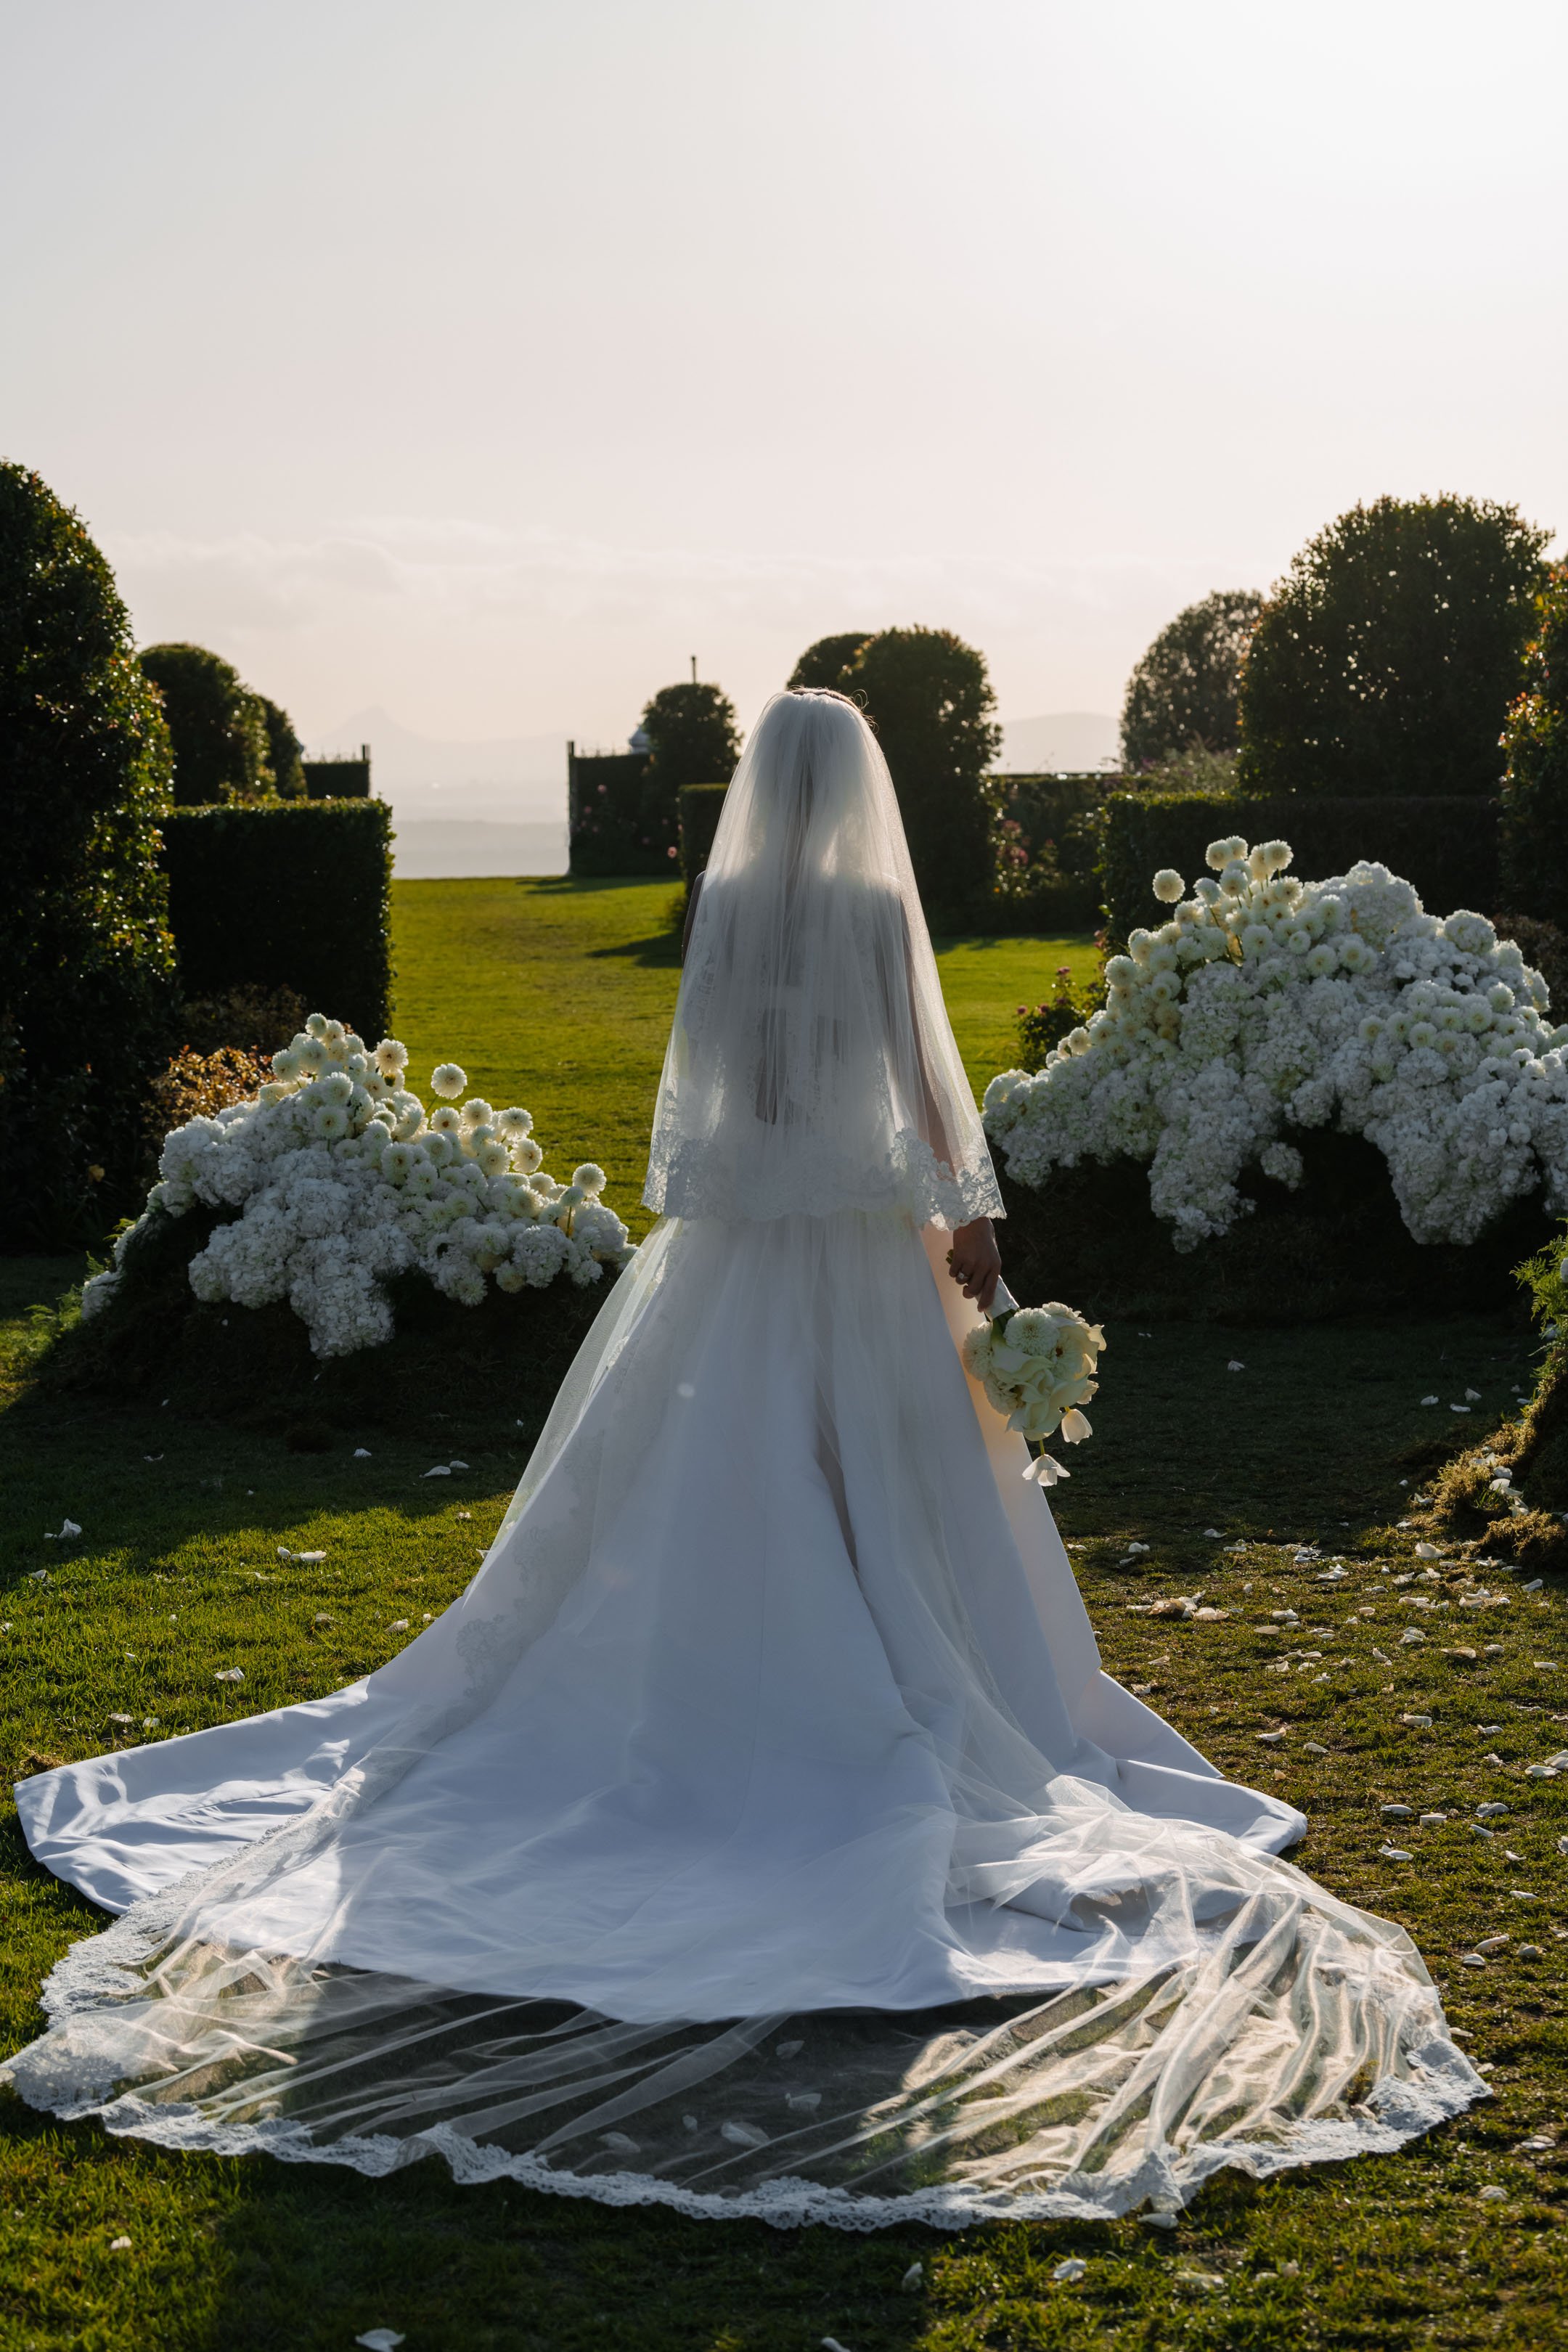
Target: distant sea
<point>431,849</point>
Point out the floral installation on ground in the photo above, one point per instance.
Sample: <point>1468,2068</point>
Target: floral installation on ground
<point>1038,1365</point>
<point>340,1181</point>
<point>1265,1004</point>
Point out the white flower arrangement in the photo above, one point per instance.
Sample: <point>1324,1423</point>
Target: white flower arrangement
<point>1038,1365</point>
<point>342,1182</point>
<point>1265,1004</point>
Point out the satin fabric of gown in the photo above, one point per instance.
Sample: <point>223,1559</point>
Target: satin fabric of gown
<point>757,1834</point>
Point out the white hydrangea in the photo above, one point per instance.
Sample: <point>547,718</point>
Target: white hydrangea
<point>1265,1004</point>
<point>340,1182</point>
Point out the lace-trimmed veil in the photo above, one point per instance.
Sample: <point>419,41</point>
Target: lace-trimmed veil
<point>811,1066</point>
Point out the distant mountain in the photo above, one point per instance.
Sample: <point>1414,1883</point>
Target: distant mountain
<point>509,778</point>
<point>1062,740</point>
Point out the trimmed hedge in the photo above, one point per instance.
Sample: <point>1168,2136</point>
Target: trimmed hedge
<point>296,896</point>
<point>1447,848</point>
<point>700,808</point>
<point>620,818</point>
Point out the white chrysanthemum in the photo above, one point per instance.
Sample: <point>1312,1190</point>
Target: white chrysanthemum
<point>398,1162</point>
<point>445,1120</point>
<point>448,1080</point>
<point>526,1155</point>
<point>589,1177</point>
<point>477,1112</point>
<point>310,1056</point>
<point>330,1121</point>
<point>391,1058</point>
<point>1221,853</point>
<point>286,1064</point>
<point>1349,1006</point>
<point>493,1158</point>
<point>1169,886</point>
<point>513,1122</point>
<point>336,1087</point>
<point>316,1025</point>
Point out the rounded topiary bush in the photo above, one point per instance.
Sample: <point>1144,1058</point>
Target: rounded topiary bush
<point>87,964</point>
<point>1382,664</point>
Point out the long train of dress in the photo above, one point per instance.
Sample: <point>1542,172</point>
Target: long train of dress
<point>758,1833</point>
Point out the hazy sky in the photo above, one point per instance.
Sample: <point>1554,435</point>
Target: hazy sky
<point>486,360</point>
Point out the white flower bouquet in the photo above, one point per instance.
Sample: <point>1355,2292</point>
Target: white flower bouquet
<point>1265,1004</point>
<point>340,1181</point>
<point>1038,1365</point>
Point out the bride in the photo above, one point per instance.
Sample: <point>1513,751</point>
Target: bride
<point>758,1833</point>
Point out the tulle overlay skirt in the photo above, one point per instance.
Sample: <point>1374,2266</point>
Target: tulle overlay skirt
<point>758,1834</point>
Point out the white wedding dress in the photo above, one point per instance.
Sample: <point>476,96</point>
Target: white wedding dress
<point>758,1834</point>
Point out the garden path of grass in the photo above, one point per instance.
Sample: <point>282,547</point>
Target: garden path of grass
<point>177,1574</point>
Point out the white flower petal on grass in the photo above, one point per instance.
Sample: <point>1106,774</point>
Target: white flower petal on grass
<point>119,2245</point>
<point>362,1454</point>
<point>1472,1396</point>
<point>744,2134</point>
<point>439,1470</point>
<point>1392,1853</point>
<point>1431,1400</point>
<point>63,1533</point>
<point>398,1625</point>
<point>913,2278</point>
<point>1067,2273</point>
<point>1236,1365</point>
<point>229,1675</point>
<point>380,2339</point>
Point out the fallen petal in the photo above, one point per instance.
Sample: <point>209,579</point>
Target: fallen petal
<point>380,2339</point>
<point>1066,2273</point>
<point>742,2134</point>
<point>913,2278</point>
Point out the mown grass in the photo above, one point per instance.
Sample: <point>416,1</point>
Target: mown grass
<point>1311,1439</point>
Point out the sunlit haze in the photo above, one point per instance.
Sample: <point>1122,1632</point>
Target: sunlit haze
<point>477,365</point>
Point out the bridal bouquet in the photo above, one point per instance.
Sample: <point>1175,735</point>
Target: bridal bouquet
<point>1036,1364</point>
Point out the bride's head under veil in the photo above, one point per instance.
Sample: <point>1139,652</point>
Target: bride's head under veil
<point>811,1065</point>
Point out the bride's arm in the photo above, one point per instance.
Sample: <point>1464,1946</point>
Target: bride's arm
<point>975,1259</point>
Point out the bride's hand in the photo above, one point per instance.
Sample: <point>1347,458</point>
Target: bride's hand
<point>975,1261</point>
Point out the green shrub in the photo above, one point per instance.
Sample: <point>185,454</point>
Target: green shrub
<point>702,805</point>
<point>85,962</point>
<point>1535,787</point>
<point>824,664</point>
<point>1043,1025</point>
<point>929,697</point>
<point>1447,848</point>
<point>294,896</point>
<point>1182,696</point>
<point>218,728</point>
<point>617,823</point>
<point>1385,659</point>
<point>285,753</point>
<point>692,731</point>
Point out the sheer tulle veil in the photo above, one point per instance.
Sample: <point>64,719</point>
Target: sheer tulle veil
<point>811,1065</point>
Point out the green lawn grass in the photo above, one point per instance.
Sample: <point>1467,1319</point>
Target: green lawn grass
<point>558,996</point>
